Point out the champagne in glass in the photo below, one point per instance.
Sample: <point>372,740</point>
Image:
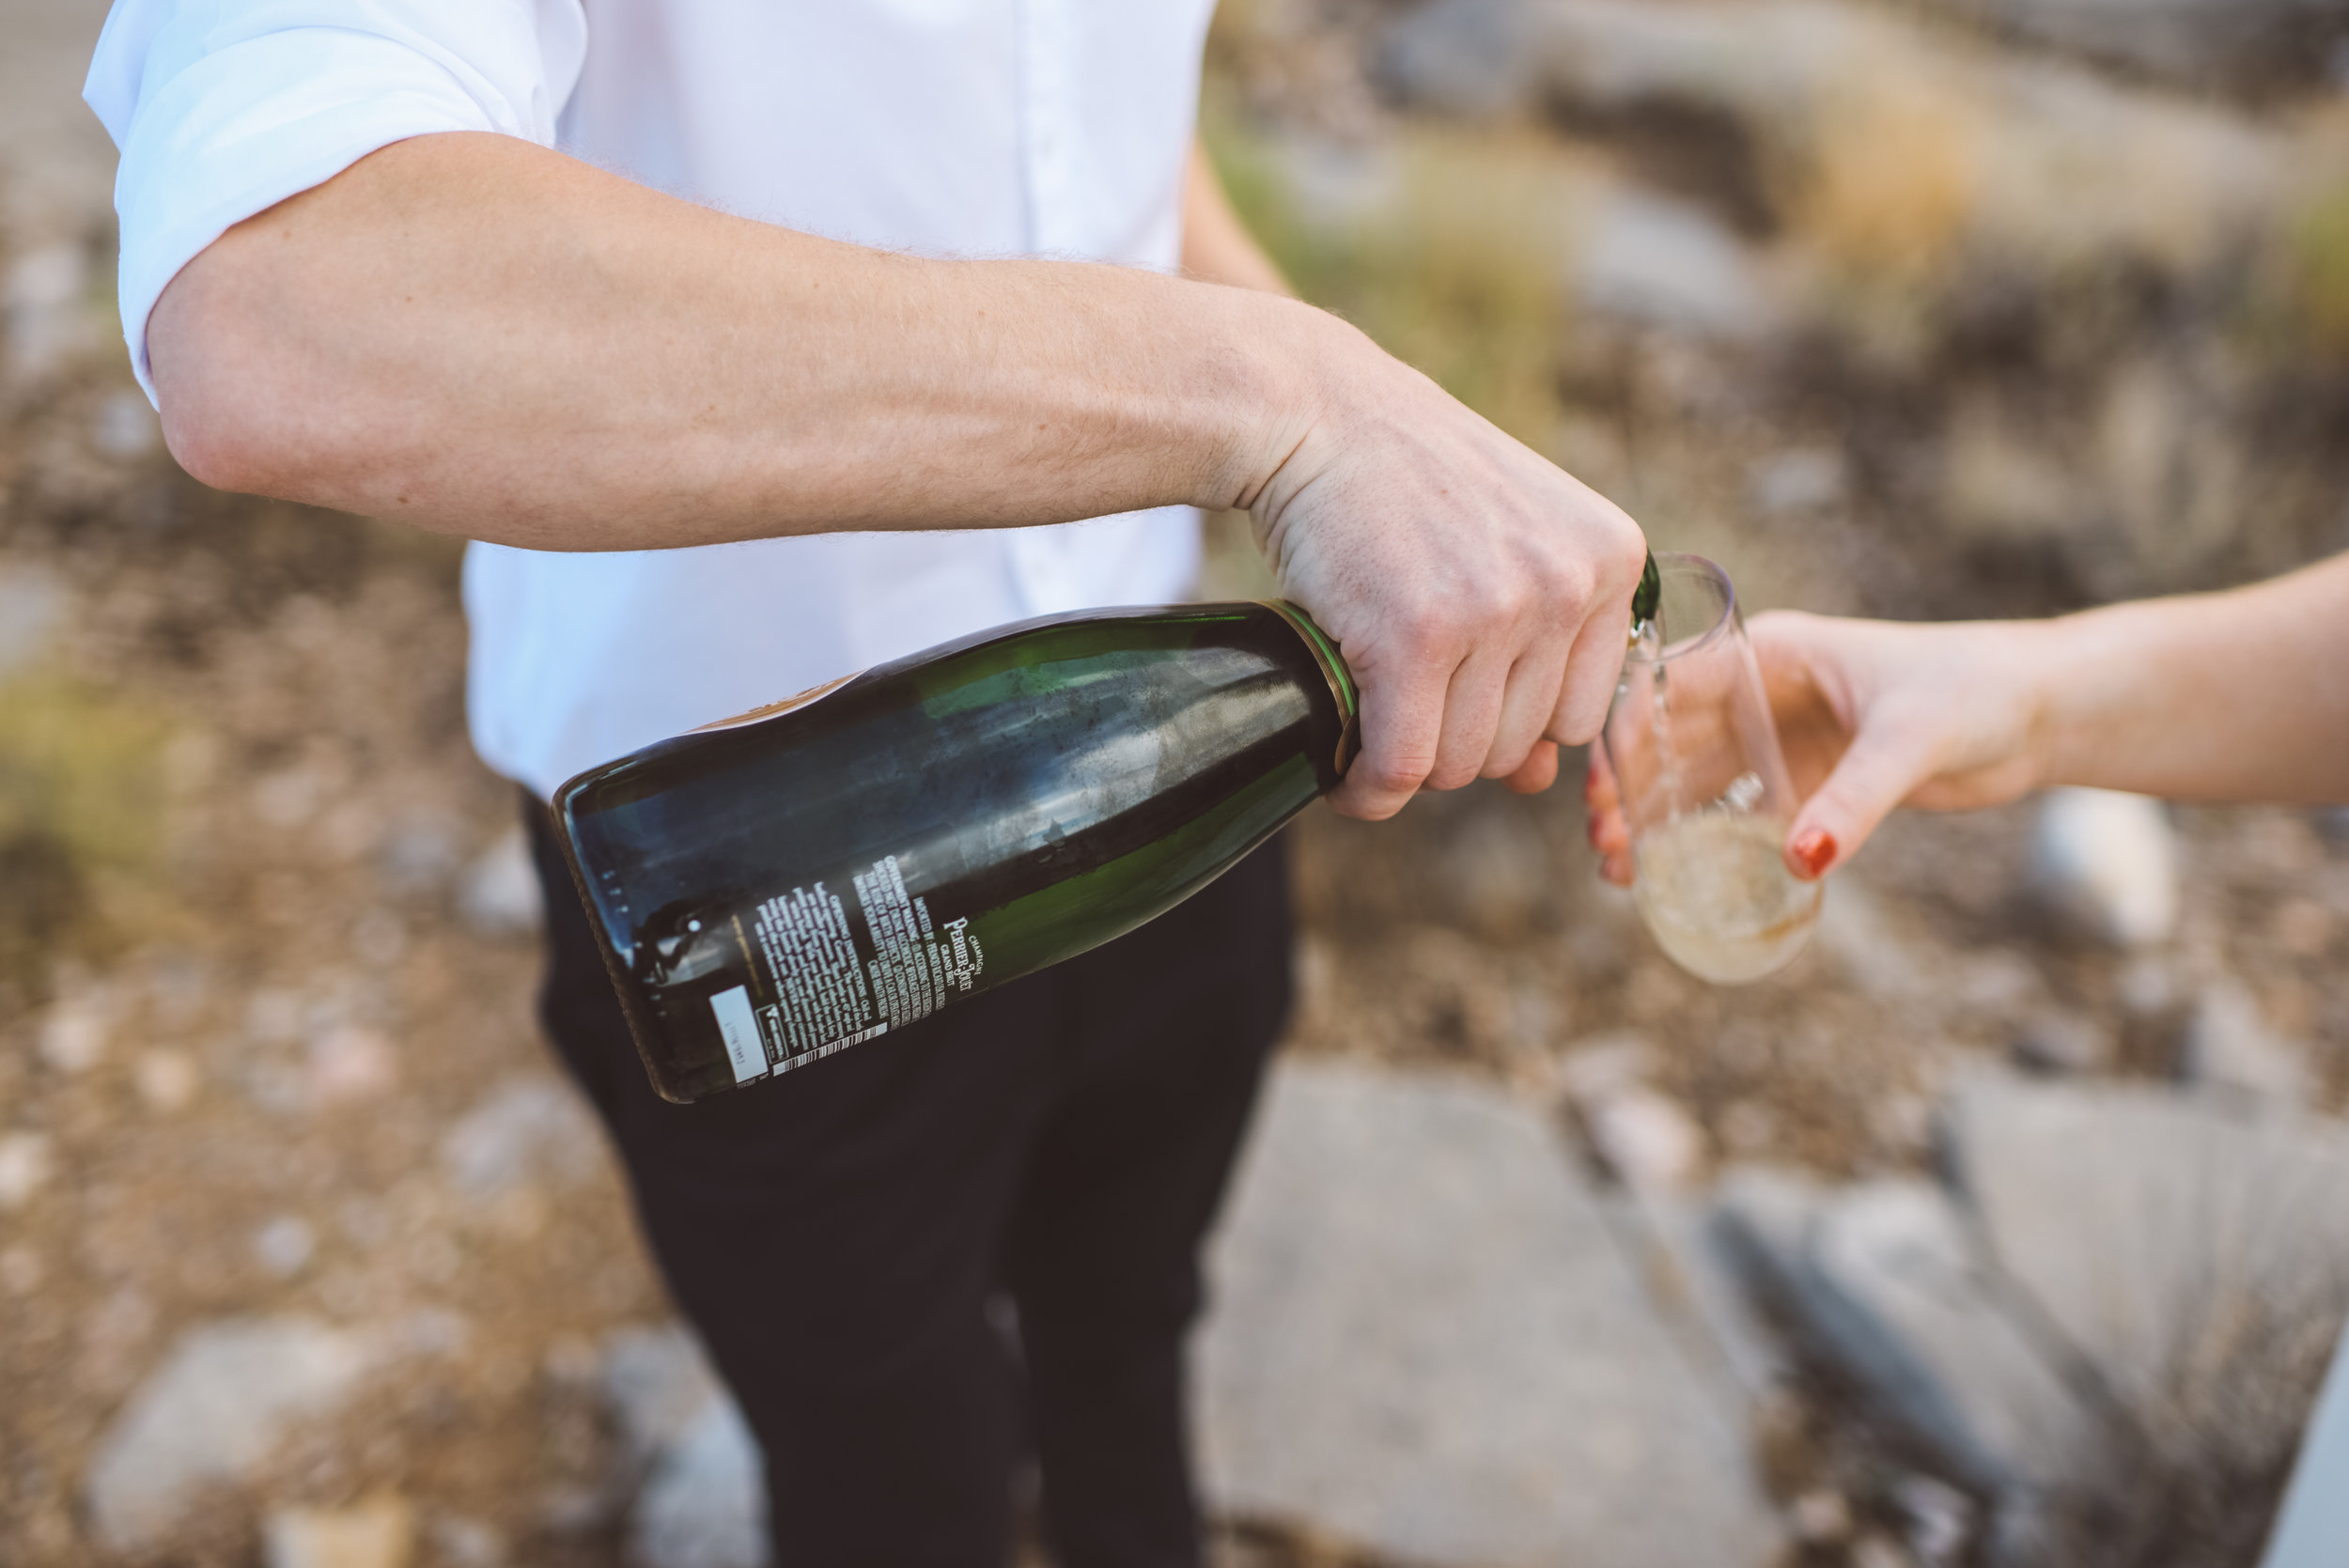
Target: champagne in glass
<point>1703,784</point>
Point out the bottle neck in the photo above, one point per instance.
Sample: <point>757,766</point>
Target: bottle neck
<point>1333,670</point>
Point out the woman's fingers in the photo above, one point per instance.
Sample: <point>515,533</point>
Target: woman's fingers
<point>1884,765</point>
<point>1609,833</point>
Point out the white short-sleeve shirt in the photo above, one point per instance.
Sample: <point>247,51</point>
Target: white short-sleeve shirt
<point>936,127</point>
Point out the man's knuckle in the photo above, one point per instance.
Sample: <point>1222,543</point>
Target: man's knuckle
<point>1424,629</point>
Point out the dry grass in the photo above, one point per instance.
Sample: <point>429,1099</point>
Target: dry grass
<point>1451,263</point>
<point>81,798</point>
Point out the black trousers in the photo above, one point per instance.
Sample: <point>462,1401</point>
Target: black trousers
<point>837,1235</point>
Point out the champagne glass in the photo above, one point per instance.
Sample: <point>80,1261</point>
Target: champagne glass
<point>1704,789</point>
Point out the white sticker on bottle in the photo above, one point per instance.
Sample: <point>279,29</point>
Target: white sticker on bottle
<point>739,1027</point>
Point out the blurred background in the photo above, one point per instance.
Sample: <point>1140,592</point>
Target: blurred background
<point>2011,1226</point>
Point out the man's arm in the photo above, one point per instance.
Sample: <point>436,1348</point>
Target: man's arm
<point>483,336</point>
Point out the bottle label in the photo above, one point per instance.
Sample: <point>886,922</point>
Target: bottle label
<point>841,970</point>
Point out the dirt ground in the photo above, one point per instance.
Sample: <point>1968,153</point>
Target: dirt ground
<point>243,1001</point>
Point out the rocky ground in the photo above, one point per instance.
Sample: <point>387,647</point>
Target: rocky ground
<point>305,1252</point>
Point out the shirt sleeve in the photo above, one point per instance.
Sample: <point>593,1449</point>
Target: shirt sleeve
<point>224,108</point>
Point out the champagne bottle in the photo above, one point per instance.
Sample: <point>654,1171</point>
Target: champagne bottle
<point>776,887</point>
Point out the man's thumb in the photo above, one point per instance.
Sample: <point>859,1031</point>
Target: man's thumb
<point>1875,775</point>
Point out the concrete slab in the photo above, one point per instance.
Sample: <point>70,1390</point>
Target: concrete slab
<point>1425,1340</point>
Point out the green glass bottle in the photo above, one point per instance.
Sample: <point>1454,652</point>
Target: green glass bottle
<point>776,887</point>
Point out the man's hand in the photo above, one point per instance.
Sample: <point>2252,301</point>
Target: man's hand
<point>1480,596</point>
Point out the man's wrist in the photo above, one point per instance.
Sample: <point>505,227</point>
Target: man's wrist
<point>1274,356</point>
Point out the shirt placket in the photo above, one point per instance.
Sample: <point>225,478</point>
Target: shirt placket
<point>1043,560</point>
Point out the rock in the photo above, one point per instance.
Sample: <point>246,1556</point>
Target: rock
<point>1874,1551</point>
<point>2060,1041</point>
<point>1800,479</point>
<point>1860,127</point>
<point>126,426</point>
<point>1997,982</point>
<point>224,1397</point>
<point>2228,1046</point>
<point>420,851</point>
<point>499,894</point>
<point>705,1505</point>
<point>1642,1137</point>
<point>1820,1517</point>
<point>73,1035</point>
<point>380,1533</point>
<point>2156,1230</point>
<point>2312,1522</point>
<point>1941,1519</point>
<point>2107,863</point>
<point>1496,868</point>
<point>167,1078</point>
<point>2195,42</point>
<point>284,1245</point>
<point>1591,1069</point>
<point>526,1128</point>
<point>461,1542</point>
<point>703,1502</point>
<point>289,797</point>
<point>21,1270</point>
<point>348,1065</point>
<point>1885,1280</point>
<point>1466,58</point>
<point>33,603</point>
<point>657,1382</point>
<point>2147,990</point>
<point>1646,1139</point>
<point>1668,264</point>
<point>45,287</point>
<point>1695,1279</point>
<point>1423,1340</point>
<point>26,1166</point>
<point>1856,931</point>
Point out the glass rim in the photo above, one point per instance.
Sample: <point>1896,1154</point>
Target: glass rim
<point>1677,560</point>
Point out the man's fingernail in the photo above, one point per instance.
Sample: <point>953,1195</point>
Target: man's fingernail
<point>1590,831</point>
<point>1816,851</point>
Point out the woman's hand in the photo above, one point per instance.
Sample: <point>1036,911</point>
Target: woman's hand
<point>1877,714</point>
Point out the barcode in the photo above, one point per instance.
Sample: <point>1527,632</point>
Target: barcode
<point>821,1051</point>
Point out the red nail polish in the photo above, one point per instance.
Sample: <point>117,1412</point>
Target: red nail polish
<point>1815,850</point>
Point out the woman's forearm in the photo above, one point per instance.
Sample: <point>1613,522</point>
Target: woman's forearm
<point>2241,695</point>
<point>480,335</point>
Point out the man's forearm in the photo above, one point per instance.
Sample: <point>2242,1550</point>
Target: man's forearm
<point>2233,696</point>
<point>483,336</point>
